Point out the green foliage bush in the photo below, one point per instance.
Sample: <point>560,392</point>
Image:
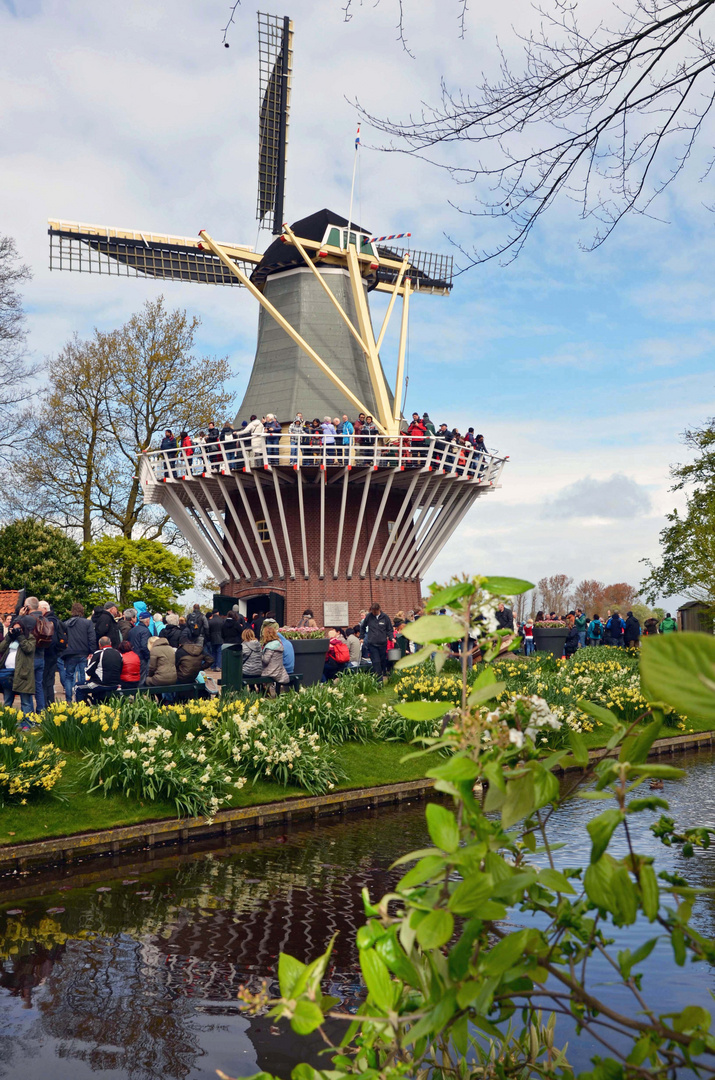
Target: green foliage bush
<point>486,931</point>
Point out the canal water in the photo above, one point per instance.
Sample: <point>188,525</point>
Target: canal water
<point>130,970</point>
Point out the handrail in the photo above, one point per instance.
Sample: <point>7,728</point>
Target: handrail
<point>324,451</point>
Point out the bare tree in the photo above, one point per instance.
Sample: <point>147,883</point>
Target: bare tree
<point>554,593</point>
<point>16,373</point>
<point>588,595</point>
<point>523,606</point>
<point>606,115</point>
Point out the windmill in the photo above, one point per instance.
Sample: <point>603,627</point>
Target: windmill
<point>292,521</point>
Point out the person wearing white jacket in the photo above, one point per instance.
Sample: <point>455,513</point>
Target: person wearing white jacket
<point>255,430</point>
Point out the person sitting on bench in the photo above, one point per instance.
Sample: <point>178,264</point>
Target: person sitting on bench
<point>162,663</point>
<point>104,672</point>
<point>272,657</point>
<point>252,658</point>
<point>190,659</point>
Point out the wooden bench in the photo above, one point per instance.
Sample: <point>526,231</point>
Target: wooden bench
<point>267,680</point>
<point>187,690</point>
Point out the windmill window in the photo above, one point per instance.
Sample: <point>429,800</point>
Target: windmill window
<point>263,533</point>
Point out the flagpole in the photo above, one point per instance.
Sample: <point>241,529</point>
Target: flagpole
<point>352,189</point>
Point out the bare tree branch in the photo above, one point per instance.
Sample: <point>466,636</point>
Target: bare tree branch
<point>607,117</point>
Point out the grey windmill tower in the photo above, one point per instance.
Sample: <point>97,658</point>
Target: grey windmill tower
<point>297,521</point>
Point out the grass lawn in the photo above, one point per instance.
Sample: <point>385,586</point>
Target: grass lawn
<point>367,765</point>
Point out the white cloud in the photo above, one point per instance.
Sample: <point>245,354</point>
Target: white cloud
<point>618,497</point>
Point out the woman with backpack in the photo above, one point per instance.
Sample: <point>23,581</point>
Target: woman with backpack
<point>338,655</point>
<point>595,631</point>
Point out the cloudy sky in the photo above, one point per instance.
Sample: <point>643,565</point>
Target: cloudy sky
<point>583,367</point>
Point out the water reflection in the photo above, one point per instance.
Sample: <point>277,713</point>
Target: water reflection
<point>134,974</point>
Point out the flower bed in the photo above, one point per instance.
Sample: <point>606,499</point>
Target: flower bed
<point>609,677</point>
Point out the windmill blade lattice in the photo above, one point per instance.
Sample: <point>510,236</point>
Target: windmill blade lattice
<point>275,64</point>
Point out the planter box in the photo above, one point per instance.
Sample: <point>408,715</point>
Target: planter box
<point>310,656</point>
<point>550,639</point>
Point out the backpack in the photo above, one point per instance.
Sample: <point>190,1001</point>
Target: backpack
<point>594,629</point>
<point>340,651</point>
<point>62,636</point>
<point>43,632</point>
<point>194,621</point>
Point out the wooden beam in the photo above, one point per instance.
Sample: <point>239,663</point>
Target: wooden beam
<point>402,349</point>
<point>285,325</point>
<point>396,289</point>
<point>374,367</point>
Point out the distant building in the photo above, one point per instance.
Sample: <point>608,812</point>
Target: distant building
<point>696,616</point>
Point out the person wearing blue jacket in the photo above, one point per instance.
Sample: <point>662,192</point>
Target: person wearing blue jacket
<point>139,640</point>
<point>615,627</point>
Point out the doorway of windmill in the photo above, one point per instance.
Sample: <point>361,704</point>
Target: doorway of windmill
<point>259,604</point>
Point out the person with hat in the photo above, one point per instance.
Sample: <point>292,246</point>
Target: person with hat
<point>429,426</point>
<point>417,434</point>
<point>139,640</point>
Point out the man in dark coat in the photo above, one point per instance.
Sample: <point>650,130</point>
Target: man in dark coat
<point>632,632</point>
<point>504,618</point>
<point>81,643</point>
<point>104,620</point>
<point>168,444</point>
<point>571,644</point>
<point>378,627</point>
<point>216,637</point>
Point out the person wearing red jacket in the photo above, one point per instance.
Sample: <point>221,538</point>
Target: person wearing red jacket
<point>131,666</point>
<point>338,656</point>
<point>417,433</point>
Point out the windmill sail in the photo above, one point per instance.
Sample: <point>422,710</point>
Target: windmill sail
<point>275,60</point>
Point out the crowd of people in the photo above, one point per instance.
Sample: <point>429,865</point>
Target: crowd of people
<point>94,656</point>
<point>584,631</point>
<point>334,440</point>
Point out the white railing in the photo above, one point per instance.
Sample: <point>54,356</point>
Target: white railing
<point>433,454</point>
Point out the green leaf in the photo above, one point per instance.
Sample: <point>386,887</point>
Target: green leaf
<point>506,586</point>
<point>643,951</point>
<point>422,710</point>
<point>435,1020</point>
<point>650,802</point>
<point>456,769</point>
<point>658,772</point>
<point>650,893</point>
<point>306,1017</point>
<point>485,693</point>
<point>391,952</point>
<point>426,868</point>
<point>519,800</point>
<point>506,952</point>
<point>625,896</point>
<point>434,629</point>
<point>443,828</point>
<point>641,747</point>
<point>601,829</point>
<point>289,971</point>
<point>597,882</point>
<point>677,940</point>
<point>598,712</point>
<point>494,773</point>
<point>470,894</point>
<point>546,786</point>
<point>692,1018</point>
<point>554,879</point>
<point>671,669</point>
<point>377,979</point>
<point>447,596</point>
<point>578,747</point>
<point>435,929</point>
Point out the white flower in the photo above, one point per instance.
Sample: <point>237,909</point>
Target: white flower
<point>516,737</point>
<point>189,736</point>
